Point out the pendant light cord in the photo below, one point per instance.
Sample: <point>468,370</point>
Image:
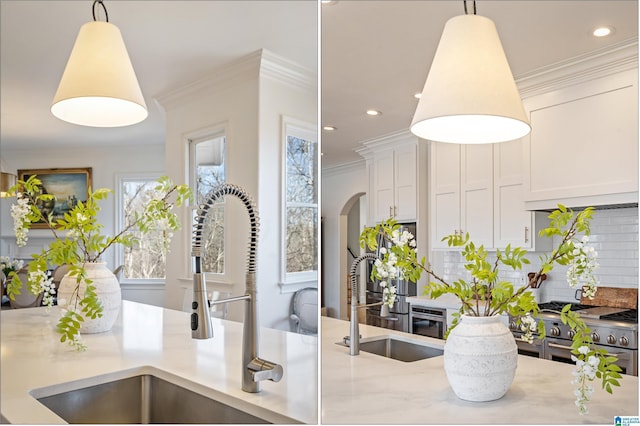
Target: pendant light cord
<point>107,15</point>
<point>465,7</point>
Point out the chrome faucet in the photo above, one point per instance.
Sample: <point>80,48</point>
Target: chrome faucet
<point>354,329</point>
<point>254,369</point>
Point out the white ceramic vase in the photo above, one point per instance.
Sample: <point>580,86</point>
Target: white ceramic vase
<point>480,358</point>
<point>107,289</point>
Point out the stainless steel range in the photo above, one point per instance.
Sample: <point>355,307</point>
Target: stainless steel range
<point>613,329</point>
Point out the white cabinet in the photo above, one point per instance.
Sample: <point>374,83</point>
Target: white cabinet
<point>512,223</point>
<point>583,147</point>
<point>461,192</point>
<point>479,189</point>
<point>393,183</point>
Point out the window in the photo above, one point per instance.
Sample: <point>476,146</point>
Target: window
<point>145,260</point>
<point>207,157</point>
<point>301,202</point>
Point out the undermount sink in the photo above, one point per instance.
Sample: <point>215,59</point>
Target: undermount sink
<point>399,349</point>
<point>141,398</point>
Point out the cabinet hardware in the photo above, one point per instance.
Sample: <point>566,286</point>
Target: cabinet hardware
<point>526,234</point>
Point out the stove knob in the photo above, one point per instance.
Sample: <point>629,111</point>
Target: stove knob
<point>571,334</point>
<point>624,341</point>
<point>513,325</point>
<point>595,337</point>
<point>611,339</point>
<point>555,331</point>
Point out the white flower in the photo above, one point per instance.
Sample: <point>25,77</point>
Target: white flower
<point>583,350</point>
<point>19,212</point>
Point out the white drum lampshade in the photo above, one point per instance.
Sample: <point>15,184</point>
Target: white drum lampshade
<point>99,87</point>
<point>470,95</point>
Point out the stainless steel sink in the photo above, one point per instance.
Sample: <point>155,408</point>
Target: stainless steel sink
<point>399,349</point>
<point>141,399</point>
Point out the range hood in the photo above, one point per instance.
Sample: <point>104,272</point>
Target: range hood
<point>596,207</point>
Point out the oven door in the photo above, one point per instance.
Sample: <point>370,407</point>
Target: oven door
<point>428,322</point>
<point>560,350</point>
<point>535,349</point>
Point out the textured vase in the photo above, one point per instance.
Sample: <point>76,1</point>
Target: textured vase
<point>480,358</point>
<point>107,289</point>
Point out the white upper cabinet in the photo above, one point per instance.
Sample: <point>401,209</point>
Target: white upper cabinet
<point>512,223</point>
<point>479,189</point>
<point>461,192</point>
<point>393,185</point>
<point>583,147</point>
<point>445,192</point>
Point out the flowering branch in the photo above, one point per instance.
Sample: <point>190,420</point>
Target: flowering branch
<point>486,295</point>
<point>84,243</point>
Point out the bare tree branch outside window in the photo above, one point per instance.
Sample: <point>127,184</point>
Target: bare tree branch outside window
<point>210,173</point>
<point>146,259</point>
<point>301,205</point>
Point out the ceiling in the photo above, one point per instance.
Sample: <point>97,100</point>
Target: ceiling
<point>376,54</point>
<point>171,43</point>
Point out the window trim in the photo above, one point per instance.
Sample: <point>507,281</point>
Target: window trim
<point>121,178</point>
<point>191,139</point>
<point>292,281</point>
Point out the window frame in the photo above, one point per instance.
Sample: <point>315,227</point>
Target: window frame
<point>191,141</point>
<point>292,281</point>
<point>119,206</point>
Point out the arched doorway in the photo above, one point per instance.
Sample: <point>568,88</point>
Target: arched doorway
<point>352,220</point>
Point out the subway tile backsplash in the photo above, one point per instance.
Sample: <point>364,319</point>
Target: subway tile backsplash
<point>614,235</point>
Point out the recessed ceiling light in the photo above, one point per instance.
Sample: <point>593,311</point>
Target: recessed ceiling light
<point>417,95</point>
<point>329,2</point>
<point>603,31</point>
<point>373,112</point>
<point>329,128</point>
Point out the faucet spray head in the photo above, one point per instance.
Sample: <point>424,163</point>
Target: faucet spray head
<point>201,327</point>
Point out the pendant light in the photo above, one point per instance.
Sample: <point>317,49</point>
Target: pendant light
<point>99,87</point>
<point>470,95</point>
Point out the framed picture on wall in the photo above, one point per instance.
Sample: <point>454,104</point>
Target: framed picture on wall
<point>68,187</point>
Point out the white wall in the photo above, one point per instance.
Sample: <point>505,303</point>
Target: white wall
<point>249,107</point>
<point>106,163</point>
<point>279,99</point>
<point>341,188</point>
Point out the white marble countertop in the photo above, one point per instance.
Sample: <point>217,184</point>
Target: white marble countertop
<point>370,389</point>
<point>149,337</point>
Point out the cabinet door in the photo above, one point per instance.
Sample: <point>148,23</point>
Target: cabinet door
<point>512,223</point>
<point>405,183</point>
<point>476,193</point>
<point>445,191</point>
<point>383,192</point>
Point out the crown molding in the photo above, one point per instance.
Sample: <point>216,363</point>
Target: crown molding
<point>579,69</point>
<point>387,141</point>
<point>343,168</point>
<point>259,64</point>
<point>288,72</point>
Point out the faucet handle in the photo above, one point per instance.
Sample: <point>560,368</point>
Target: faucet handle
<point>265,370</point>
